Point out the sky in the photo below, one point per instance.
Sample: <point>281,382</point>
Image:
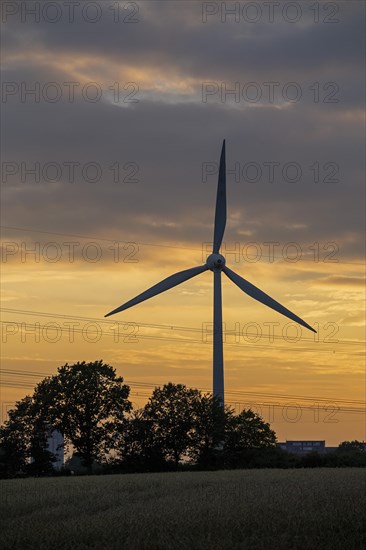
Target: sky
<point>113,116</point>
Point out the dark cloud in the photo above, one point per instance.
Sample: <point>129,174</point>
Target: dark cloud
<point>170,137</point>
<point>175,34</point>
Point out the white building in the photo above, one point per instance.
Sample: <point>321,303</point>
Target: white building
<point>55,445</point>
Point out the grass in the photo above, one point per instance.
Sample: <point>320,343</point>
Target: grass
<point>244,509</point>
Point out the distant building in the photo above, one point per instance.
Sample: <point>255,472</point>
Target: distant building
<point>55,445</point>
<point>303,447</point>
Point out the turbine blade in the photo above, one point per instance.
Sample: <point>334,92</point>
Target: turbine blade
<point>220,213</point>
<point>167,283</point>
<point>262,297</point>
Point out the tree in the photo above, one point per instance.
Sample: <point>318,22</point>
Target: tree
<point>244,432</point>
<point>139,448</point>
<point>23,441</point>
<point>209,421</point>
<point>349,453</point>
<point>87,402</point>
<point>179,422</point>
<point>170,416</point>
<point>351,446</point>
<point>176,422</point>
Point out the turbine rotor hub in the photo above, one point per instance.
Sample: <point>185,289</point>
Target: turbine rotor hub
<point>215,262</point>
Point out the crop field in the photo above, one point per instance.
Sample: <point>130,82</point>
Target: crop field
<point>244,509</point>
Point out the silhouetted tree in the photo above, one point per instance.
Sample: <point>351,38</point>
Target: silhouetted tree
<point>246,431</point>
<point>358,446</point>
<point>348,453</point>
<point>178,422</point>
<point>87,402</point>
<point>208,436</point>
<point>170,416</point>
<point>23,441</point>
<point>89,405</point>
<point>139,449</point>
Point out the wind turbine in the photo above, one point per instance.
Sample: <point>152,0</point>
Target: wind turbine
<point>215,263</point>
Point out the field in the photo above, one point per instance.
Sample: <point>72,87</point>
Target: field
<point>246,509</point>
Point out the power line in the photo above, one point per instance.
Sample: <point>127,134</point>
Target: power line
<point>105,321</point>
<point>170,327</point>
<point>118,241</point>
<point>234,401</point>
<point>234,393</point>
<point>131,338</point>
<point>239,392</point>
<point>94,238</point>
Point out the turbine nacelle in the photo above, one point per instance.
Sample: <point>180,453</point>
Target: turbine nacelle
<point>215,262</point>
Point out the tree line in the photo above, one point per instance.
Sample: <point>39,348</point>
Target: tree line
<point>179,427</point>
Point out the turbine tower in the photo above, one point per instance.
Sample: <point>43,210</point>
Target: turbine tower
<point>215,263</point>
